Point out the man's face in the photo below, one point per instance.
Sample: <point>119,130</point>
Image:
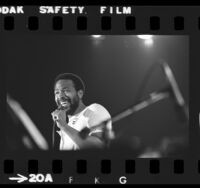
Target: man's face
<point>66,95</point>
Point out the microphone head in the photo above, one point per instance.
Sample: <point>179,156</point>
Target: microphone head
<point>60,107</point>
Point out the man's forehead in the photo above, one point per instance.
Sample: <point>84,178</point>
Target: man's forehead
<point>64,83</point>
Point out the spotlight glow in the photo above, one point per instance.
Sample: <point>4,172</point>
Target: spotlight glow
<point>97,39</point>
<point>145,37</point>
<point>96,36</point>
<point>148,42</point>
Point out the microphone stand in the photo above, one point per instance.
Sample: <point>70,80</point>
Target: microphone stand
<point>53,135</point>
<point>153,98</point>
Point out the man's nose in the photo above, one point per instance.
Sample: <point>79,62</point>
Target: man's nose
<point>61,95</point>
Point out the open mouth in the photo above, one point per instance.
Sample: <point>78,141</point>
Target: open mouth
<point>64,103</point>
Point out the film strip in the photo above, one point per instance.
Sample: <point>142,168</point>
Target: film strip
<point>38,164</point>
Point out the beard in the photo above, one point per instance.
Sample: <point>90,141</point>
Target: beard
<point>72,107</point>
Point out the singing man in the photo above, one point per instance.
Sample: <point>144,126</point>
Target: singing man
<point>72,116</point>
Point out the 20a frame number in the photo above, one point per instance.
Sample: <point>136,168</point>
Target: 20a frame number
<point>35,178</point>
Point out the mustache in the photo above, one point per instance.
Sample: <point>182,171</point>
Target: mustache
<point>63,99</point>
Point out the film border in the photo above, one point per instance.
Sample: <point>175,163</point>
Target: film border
<point>184,22</point>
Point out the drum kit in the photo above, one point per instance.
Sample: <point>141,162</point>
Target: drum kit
<point>167,145</point>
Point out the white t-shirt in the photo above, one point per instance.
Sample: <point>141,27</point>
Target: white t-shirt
<point>92,115</point>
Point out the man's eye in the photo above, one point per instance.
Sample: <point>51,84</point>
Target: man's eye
<point>66,90</point>
<point>63,91</point>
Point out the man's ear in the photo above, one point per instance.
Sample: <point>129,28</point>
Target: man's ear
<point>80,94</point>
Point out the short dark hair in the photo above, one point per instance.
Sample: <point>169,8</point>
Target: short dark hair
<point>78,82</point>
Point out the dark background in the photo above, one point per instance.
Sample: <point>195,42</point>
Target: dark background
<point>113,69</point>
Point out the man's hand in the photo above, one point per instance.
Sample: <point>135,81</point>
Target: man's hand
<point>60,117</point>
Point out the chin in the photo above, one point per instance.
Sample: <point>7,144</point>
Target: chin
<point>66,108</point>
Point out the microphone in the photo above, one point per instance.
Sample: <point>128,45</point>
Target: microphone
<point>175,91</point>
<point>55,127</point>
<point>56,117</point>
<point>60,107</point>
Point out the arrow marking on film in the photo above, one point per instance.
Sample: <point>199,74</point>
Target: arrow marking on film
<point>19,179</point>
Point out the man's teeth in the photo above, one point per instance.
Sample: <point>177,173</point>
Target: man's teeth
<point>64,103</point>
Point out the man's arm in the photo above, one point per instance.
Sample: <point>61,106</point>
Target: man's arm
<point>92,140</point>
<point>88,142</point>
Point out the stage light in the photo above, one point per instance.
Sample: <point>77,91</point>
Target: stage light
<point>96,36</point>
<point>148,39</point>
<point>97,39</point>
<point>145,37</point>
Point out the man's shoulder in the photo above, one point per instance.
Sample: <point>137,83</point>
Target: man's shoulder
<point>96,113</point>
<point>97,107</point>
